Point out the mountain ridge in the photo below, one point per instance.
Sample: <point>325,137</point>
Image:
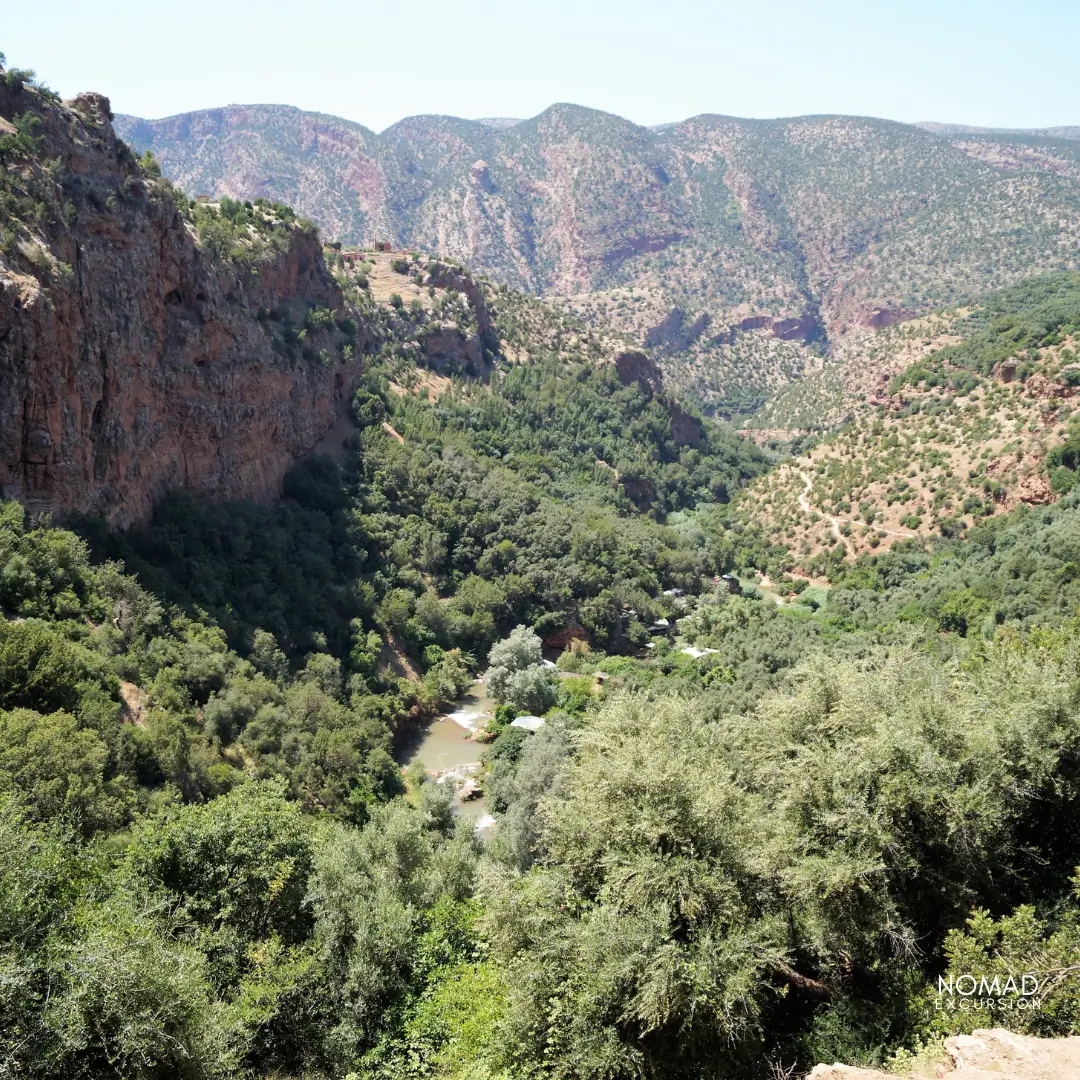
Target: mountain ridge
<point>812,224</point>
<point>1060,131</point>
<point>935,127</point>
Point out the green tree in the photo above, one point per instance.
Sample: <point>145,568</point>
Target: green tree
<point>516,674</point>
<point>57,771</point>
<point>234,872</point>
<point>39,669</point>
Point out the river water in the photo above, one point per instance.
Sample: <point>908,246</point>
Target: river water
<point>450,755</point>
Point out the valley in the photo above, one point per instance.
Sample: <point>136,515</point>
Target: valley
<point>535,600</point>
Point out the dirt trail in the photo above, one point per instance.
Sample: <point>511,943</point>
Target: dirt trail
<point>804,503</point>
<point>135,703</point>
<point>393,656</point>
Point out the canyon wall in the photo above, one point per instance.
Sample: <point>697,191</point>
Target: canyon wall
<point>135,358</point>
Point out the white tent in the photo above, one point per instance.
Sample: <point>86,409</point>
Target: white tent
<point>529,723</point>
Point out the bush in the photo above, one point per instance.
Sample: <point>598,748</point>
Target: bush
<point>38,669</point>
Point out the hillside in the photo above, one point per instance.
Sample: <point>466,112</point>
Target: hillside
<point>778,756</point>
<point>929,426</point>
<point>736,248</point>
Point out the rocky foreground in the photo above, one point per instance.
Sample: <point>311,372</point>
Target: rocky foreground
<point>986,1055</point>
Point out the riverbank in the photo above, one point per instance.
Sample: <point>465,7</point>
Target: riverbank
<point>450,754</point>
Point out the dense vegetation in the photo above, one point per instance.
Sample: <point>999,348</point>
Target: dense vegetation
<point>763,849</point>
<point>489,506</point>
<point>762,852</point>
<point>765,854</point>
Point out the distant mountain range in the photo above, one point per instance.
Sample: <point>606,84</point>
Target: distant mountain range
<point>734,248</point>
<point>1066,132</point>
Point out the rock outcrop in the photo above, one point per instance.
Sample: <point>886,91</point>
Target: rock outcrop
<point>448,344</point>
<point>986,1055</point>
<point>675,332</point>
<point>685,429</point>
<point>796,329</point>
<point>876,316</point>
<point>444,276</point>
<point>632,366</point>
<point>133,357</point>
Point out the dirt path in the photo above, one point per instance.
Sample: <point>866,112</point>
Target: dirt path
<point>394,657</point>
<point>804,504</point>
<point>135,703</point>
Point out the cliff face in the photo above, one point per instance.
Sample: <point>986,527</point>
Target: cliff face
<point>135,357</point>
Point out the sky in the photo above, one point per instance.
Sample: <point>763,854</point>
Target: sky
<point>987,62</point>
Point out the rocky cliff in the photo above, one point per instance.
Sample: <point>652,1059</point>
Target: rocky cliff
<point>147,342</point>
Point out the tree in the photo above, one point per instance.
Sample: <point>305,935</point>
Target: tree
<point>531,690</point>
<point>38,669</point>
<point>57,771</point>
<point>516,674</point>
<point>234,872</point>
<point>129,1001</point>
<point>518,650</point>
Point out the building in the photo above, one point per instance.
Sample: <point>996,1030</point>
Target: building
<point>731,583</point>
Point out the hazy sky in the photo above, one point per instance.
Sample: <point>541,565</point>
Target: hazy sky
<point>983,62</point>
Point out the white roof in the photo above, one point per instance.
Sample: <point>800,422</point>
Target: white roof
<point>529,723</point>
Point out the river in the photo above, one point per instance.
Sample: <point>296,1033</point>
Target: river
<point>450,755</point>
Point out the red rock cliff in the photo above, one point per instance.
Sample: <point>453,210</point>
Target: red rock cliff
<point>133,357</point>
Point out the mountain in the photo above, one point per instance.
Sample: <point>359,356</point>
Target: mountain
<point>737,249</point>
<point>1064,132</point>
<point>760,814</point>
